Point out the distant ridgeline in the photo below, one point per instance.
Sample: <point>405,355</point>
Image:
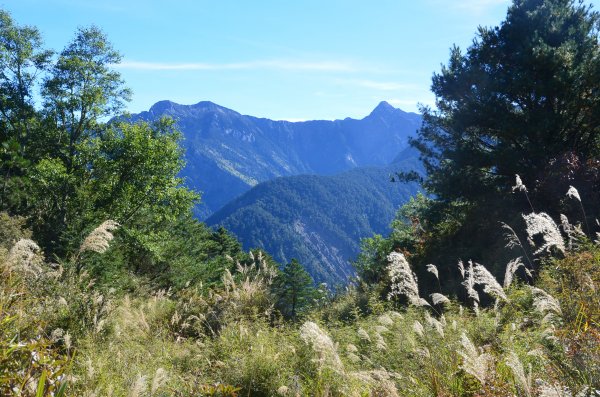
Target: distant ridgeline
<point>228,153</point>
<point>306,190</point>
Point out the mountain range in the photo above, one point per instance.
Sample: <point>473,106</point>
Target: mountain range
<point>228,153</point>
<point>305,190</point>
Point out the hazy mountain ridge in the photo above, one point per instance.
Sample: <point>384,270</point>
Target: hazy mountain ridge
<point>318,220</point>
<point>227,153</point>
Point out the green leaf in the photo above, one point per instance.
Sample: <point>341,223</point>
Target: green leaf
<point>41,385</point>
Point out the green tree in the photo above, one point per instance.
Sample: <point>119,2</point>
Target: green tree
<point>523,95</point>
<point>294,289</point>
<point>522,99</point>
<point>22,60</point>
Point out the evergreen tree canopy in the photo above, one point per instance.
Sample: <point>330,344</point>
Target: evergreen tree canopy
<point>294,289</point>
<point>523,96</point>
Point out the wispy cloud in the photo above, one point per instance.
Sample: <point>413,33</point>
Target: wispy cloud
<point>289,65</point>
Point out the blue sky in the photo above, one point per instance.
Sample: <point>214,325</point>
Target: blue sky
<point>294,60</point>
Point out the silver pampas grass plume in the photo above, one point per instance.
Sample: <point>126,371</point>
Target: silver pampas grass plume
<point>542,225</point>
<point>519,186</point>
<point>404,281</point>
<point>469,282</point>
<point>433,270</point>
<point>522,379</point>
<point>439,299</point>
<point>573,193</point>
<point>511,268</point>
<point>25,256</point>
<point>474,362</point>
<point>322,345</point>
<point>99,239</point>
<point>490,284</point>
<point>543,302</point>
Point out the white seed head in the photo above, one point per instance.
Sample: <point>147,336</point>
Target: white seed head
<point>522,379</point>
<point>469,282</point>
<point>159,380</point>
<point>433,270</point>
<point>511,268</point>
<point>490,284</point>
<point>364,335</point>
<point>519,186</point>
<point>322,345</point>
<point>474,362</point>
<point>385,319</point>
<point>25,256</point>
<point>543,302</point>
<point>439,299</point>
<point>418,328</point>
<point>542,225</point>
<point>573,193</point>
<point>404,281</point>
<point>99,239</point>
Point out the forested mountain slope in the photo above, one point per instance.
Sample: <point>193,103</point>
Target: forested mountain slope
<point>228,153</point>
<point>318,220</point>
